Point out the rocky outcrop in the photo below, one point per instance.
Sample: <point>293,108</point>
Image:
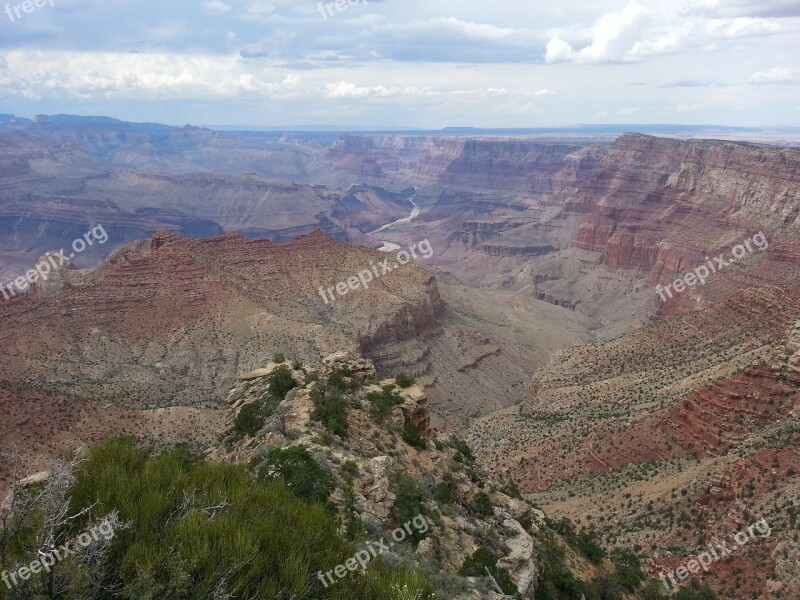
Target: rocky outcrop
<point>408,322</point>
<point>648,192</point>
<point>536,167</point>
<point>372,474</point>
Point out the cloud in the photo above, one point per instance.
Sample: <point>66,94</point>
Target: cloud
<point>542,92</point>
<point>347,90</point>
<point>673,40</point>
<point>613,35</point>
<point>51,74</point>
<point>693,83</point>
<point>638,32</point>
<point>695,107</point>
<point>775,75</point>
<point>729,29</point>
<point>216,7</point>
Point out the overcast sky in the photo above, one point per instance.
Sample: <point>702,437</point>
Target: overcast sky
<point>416,63</point>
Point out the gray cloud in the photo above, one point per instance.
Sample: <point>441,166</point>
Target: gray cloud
<point>416,63</point>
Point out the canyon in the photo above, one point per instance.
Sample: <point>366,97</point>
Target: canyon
<point>534,328</point>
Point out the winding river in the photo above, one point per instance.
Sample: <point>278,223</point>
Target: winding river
<point>389,246</point>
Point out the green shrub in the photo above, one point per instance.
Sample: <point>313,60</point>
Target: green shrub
<point>511,489</point>
<point>556,582</point>
<point>206,531</point>
<point>250,420</point>
<point>404,380</point>
<point>463,449</point>
<point>695,592</point>
<point>477,565</point>
<point>629,568</point>
<point>279,358</point>
<point>605,587</point>
<point>413,437</point>
<point>252,416</point>
<point>281,382</point>
<point>587,543</point>
<point>304,477</point>
<point>383,402</point>
<point>330,408</point>
<point>409,502</point>
<point>482,505</point>
<point>446,490</point>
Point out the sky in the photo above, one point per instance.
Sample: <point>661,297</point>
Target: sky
<point>405,63</point>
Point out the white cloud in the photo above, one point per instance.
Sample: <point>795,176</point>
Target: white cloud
<point>695,107</point>
<point>216,7</point>
<point>87,75</point>
<point>613,35</point>
<point>472,31</point>
<point>542,92</point>
<point>673,40</point>
<point>638,32</point>
<point>730,29</point>
<point>344,90</point>
<point>775,75</point>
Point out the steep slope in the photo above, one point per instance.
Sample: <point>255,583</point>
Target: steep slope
<point>157,334</point>
<point>376,439</point>
<point>696,416</point>
<point>647,211</point>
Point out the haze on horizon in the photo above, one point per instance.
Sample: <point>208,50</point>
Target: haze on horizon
<point>424,64</point>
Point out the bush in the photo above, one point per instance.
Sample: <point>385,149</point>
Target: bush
<point>587,543</point>
<point>383,402</point>
<point>404,380</point>
<point>446,490</point>
<point>251,417</point>
<point>250,420</point>
<point>695,592</point>
<point>606,587</point>
<point>208,531</point>
<point>330,408</point>
<point>304,477</point>
<point>279,358</point>
<point>511,489</point>
<point>409,502</point>
<point>483,559</point>
<point>556,582</point>
<point>463,449</point>
<point>629,569</point>
<point>482,505</point>
<point>413,437</point>
<point>281,382</point>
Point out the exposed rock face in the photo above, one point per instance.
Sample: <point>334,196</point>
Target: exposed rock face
<point>169,323</point>
<point>705,403</point>
<point>640,214</point>
<point>537,167</point>
<point>456,533</point>
<point>415,410</point>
